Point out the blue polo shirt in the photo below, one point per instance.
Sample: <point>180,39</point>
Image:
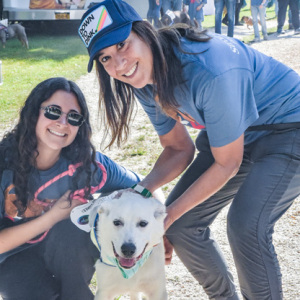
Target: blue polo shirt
<point>228,87</point>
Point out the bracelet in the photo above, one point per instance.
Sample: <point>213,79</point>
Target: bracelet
<point>141,190</point>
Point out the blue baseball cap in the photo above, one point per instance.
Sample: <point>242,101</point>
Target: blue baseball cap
<point>106,24</point>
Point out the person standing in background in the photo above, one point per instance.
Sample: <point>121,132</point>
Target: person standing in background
<point>196,11</point>
<point>153,13</point>
<point>219,6</point>
<point>282,9</point>
<point>258,8</point>
<point>173,5</point>
<point>238,7</point>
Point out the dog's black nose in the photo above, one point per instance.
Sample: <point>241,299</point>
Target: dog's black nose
<point>128,249</point>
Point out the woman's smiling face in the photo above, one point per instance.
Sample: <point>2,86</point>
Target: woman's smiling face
<point>130,61</point>
<point>53,135</point>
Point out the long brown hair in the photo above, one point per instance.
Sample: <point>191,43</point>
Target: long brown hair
<point>18,148</point>
<point>116,99</point>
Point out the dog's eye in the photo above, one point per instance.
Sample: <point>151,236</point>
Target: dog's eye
<point>143,223</point>
<point>118,223</point>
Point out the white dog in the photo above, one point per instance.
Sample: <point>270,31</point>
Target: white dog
<point>128,231</point>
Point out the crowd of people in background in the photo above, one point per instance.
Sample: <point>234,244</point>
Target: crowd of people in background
<point>228,13</point>
<point>158,8</point>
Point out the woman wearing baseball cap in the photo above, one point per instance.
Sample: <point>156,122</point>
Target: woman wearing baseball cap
<point>247,106</point>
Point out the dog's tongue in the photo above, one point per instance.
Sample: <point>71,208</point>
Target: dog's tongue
<point>127,262</point>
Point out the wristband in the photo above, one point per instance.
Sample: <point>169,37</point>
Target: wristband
<point>141,190</point>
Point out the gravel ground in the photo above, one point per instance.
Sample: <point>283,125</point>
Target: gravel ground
<point>180,284</point>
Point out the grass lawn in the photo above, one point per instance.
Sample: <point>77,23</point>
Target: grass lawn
<point>22,69</point>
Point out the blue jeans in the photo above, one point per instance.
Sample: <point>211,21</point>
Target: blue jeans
<point>219,6</point>
<point>264,188</point>
<point>153,13</point>
<point>282,9</point>
<point>58,268</point>
<point>255,11</point>
<point>171,5</point>
<point>177,5</point>
<point>196,14</point>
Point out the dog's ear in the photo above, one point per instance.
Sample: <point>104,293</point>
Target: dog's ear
<point>92,216</point>
<point>104,208</point>
<point>97,210</point>
<point>160,212</point>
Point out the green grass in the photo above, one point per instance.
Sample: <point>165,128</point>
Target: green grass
<point>22,69</point>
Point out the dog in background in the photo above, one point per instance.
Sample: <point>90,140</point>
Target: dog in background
<point>248,21</point>
<point>128,231</point>
<point>12,31</point>
<point>174,17</point>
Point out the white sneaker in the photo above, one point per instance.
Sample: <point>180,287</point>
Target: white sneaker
<point>256,40</point>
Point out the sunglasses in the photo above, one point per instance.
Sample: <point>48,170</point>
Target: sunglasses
<point>53,112</point>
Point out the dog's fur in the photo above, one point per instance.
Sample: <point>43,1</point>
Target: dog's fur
<point>128,226</point>
<point>248,21</point>
<point>14,30</point>
<point>180,17</point>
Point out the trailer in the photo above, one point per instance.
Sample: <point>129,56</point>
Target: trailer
<point>55,10</point>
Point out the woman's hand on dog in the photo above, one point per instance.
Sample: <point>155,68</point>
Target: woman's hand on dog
<point>168,251</point>
<point>168,246</point>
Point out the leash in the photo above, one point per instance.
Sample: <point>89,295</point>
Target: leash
<point>78,194</point>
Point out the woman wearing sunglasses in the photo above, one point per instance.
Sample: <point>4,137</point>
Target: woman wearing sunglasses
<point>48,166</point>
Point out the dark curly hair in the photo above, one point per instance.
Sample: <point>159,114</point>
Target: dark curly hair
<point>116,99</point>
<point>18,148</point>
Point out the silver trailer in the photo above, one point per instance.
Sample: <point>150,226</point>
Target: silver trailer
<point>20,11</point>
